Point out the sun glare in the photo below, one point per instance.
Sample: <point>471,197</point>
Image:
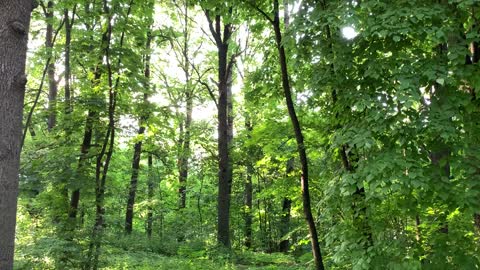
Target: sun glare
<point>349,32</point>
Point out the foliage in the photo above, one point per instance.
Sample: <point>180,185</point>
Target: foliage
<point>390,119</point>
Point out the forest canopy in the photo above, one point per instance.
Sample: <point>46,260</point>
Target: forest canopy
<point>242,134</point>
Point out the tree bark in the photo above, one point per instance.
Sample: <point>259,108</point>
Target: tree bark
<point>104,157</point>
<point>150,187</point>
<point>285,220</point>
<point>137,151</point>
<point>317,256</point>
<point>52,83</point>
<point>248,194</point>
<point>14,27</point>
<point>67,50</point>
<point>186,137</point>
<point>225,168</point>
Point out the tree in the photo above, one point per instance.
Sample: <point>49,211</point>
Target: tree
<point>14,22</point>
<point>304,179</point>
<point>222,37</point>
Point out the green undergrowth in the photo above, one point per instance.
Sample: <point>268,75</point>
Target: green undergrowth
<point>126,253</point>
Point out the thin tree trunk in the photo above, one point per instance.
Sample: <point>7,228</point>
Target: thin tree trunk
<point>150,187</point>
<point>14,22</point>
<point>285,220</point>
<point>185,140</point>
<point>417,229</point>
<point>91,118</point>
<point>134,180</point>
<point>105,155</point>
<point>92,115</point>
<point>317,256</point>
<point>248,194</point>
<point>52,83</point>
<point>67,49</point>
<point>137,152</point>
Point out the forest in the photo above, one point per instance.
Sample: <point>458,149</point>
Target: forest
<point>240,134</point>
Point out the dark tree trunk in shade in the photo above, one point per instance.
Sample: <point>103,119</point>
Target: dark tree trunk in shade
<point>150,187</point>
<point>248,204</point>
<point>137,150</point>
<point>91,119</point>
<point>224,175</point>
<point>14,27</point>
<point>286,208</point>
<point>68,73</point>
<point>222,38</point>
<point>317,256</point>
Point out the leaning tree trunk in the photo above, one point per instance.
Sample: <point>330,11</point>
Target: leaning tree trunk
<point>14,25</point>
<point>317,256</point>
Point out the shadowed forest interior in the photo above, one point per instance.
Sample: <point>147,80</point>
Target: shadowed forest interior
<point>240,134</point>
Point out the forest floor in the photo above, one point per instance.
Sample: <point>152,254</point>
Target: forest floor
<point>115,258</point>
<point>120,259</point>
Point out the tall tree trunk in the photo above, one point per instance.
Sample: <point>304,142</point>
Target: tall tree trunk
<point>317,256</point>
<point>104,157</point>
<point>185,140</point>
<point>67,49</point>
<point>222,39</point>
<point>91,118</point>
<point>52,83</point>
<point>137,150</point>
<point>224,177</point>
<point>14,25</point>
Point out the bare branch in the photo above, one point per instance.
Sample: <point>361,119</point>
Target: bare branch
<point>261,11</point>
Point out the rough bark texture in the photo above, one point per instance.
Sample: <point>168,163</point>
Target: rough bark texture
<point>224,176</point>
<point>222,39</point>
<point>185,140</point>
<point>14,25</point>
<point>317,256</point>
